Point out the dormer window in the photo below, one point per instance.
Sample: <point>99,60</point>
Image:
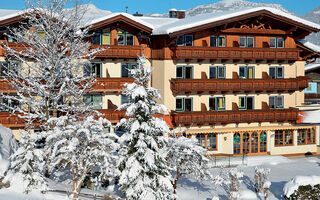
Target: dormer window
<point>247,42</point>
<point>217,41</point>
<point>185,40</point>
<point>276,42</point>
<point>125,38</point>
<point>102,37</point>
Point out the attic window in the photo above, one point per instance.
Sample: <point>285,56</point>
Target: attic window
<point>185,40</point>
<point>125,38</point>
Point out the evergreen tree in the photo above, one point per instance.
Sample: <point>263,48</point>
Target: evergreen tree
<point>144,170</point>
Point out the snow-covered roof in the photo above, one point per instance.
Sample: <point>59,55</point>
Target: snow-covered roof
<point>111,15</point>
<point>310,67</point>
<point>311,117</point>
<point>161,26</point>
<point>310,45</point>
<point>199,20</point>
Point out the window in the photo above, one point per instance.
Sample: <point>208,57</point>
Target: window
<point>126,68</point>
<point>246,42</point>
<point>184,104</point>
<point>246,72</point>
<point>276,72</point>
<point>185,40</point>
<point>217,72</point>
<point>41,33</point>
<point>217,41</point>
<point>283,137</point>
<point>276,101</point>
<point>276,42</point>
<point>102,37</point>
<point>125,38</point>
<point>208,141</point>
<point>8,104</point>
<point>246,103</point>
<point>306,136</point>
<point>184,72</point>
<point>7,67</point>
<point>217,103</point>
<point>93,100</point>
<point>125,99</point>
<point>93,69</point>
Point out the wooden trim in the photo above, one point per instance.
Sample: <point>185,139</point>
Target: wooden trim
<point>118,51</point>
<point>243,17</point>
<point>254,31</point>
<point>183,86</point>
<point>121,18</point>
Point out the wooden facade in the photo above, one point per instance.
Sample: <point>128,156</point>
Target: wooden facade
<point>187,86</point>
<point>200,118</point>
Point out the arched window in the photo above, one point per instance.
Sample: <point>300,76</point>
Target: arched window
<point>263,142</point>
<point>236,143</point>
<point>254,142</point>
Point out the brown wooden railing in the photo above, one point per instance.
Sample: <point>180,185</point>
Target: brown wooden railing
<point>113,115</point>
<point>9,120</point>
<point>110,84</point>
<point>181,86</point>
<point>235,53</point>
<point>15,46</point>
<point>234,116</point>
<point>311,96</point>
<point>117,51</point>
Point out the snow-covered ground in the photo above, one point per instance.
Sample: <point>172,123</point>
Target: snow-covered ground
<point>282,170</point>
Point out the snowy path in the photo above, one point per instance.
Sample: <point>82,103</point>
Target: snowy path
<point>282,170</point>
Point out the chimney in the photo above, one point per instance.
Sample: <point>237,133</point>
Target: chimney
<point>174,13</point>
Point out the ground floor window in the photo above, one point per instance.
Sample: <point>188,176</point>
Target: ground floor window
<point>283,137</point>
<point>306,136</point>
<point>249,142</point>
<point>208,141</point>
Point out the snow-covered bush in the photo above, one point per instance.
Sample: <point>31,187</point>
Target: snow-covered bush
<point>185,156</point>
<point>261,181</point>
<point>81,146</point>
<point>8,146</point>
<point>27,164</point>
<point>235,181</point>
<point>144,170</point>
<point>302,187</point>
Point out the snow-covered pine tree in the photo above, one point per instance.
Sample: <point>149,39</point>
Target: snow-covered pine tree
<point>186,157</point>
<point>83,147</point>
<point>144,172</point>
<point>28,163</point>
<point>46,59</point>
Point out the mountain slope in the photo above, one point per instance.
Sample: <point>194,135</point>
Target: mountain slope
<point>313,16</point>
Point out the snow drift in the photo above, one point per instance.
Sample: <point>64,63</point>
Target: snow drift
<point>291,186</point>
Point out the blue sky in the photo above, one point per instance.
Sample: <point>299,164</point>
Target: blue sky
<point>162,6</point>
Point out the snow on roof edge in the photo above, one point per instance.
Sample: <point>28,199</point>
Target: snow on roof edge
<point>310,67</point>
<point>232,14</point>
<point>111,15</point>
<point>310,45</point>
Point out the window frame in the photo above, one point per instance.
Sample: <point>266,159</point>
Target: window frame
<point>124,33</point>
<point>183,104</point>
<point>246,41</point>
<point>216,69</point>
<point>129,67</point>
<point>306,142</point>
<point>91,69</point>
<point>246,103</point>
<point>217,40</point>
<point>184,71</point>
<point>200,138</point>
<point>283,133</point>
<point>184,38</point>
<point>246,72</point>
<point>92,101</point>
<point>275,101</point>
<point>276,75</point>
<point>216,100</point>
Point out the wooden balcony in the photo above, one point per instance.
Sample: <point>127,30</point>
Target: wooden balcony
<point>11,121</point>
<point>199,118</point>
<point>15,46</point>
<point>113,85</point>
<point>311,96</point>
<point>183,86</point>
<point>117,51</point>
<point>113,115</point>
<point>235,53</point>
<point>5,87</point>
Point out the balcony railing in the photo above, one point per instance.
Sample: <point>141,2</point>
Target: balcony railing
<point>117,51</point>
<point>110,84</point>
<point>181,86</point>
<point>112,115</point>
<point>235,53</point>
<point>199,118</point>
<point>13,45</point>
<point>311,96</point>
